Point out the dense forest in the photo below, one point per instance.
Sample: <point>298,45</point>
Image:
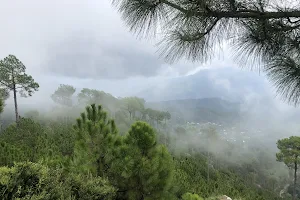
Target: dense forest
<point>92,145</point>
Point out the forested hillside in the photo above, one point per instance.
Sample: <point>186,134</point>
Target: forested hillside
<point>95,146</point>
<point>201,135</point>
<point>228,83</point>
<point>204,110</point>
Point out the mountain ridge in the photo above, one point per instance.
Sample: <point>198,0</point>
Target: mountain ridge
<point>201,110</point>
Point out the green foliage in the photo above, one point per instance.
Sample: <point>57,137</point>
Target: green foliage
<point>34,181</point>
<point>28,136</point>
<point>63,95</point>
<point>13,76</point>
<point>89,96</point>
<point>10,154</point>
<point>63,137</point>
<point>189,196</point>
<point>289,151</point>
<point>92,96</point>
<point>4,93</point>
<point>91,160</point>
<point>191,176</point>
<point>143,169</point>
<point>95,136</point>
<point>290,155</point>
<point>30,141</point>
<point>29,181</point>
<point>89,187</point>
<point>133,104</point>
<point>156,116</point>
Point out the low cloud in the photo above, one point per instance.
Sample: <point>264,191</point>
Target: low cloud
<point>89,57</point>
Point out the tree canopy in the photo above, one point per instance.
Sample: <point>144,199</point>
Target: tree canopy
<point>289,150</point>
<point>4,93</point>
<point>133,104</point>
<point>290,155</point>
<point>63,95</point>
<point>262,33</point>
<point>13,78</point>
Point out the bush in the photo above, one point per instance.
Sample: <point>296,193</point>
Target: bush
<point>190,196</point>
<point>90,188</point>
<point>34,181</point>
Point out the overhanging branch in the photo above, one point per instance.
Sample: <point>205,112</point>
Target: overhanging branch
<point>198,36</point>
<point>253,14</point>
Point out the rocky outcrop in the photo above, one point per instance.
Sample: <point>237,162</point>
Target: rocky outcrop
<point>224,197</point>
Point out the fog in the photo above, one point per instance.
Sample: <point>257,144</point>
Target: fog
<point>85,44</point>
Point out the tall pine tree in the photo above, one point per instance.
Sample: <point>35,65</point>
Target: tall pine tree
<point>96,136</point>
<point>13,78</point>
<point>143,169</point>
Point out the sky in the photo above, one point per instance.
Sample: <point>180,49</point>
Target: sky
<point>81,43</point>
<point>86,44</point>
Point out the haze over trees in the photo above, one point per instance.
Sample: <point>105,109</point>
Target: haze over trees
<point>123,149</point>
<point>123,157</point>
<point>140,154</point>
<point>63,95</point>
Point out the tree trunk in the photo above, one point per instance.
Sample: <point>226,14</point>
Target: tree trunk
<point>99,167</point>
<point>208,166</point>
<point>295,180</point>
<point>0,123</point>
<point>16,103</point>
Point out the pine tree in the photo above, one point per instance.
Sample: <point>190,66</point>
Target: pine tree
<point>143,169</point>
<point>132,105</point>
<point>63,95</point>
<point>290,155</point>
<point>96,136</point>
<point>266,33</point>
<point>89,96</point>
<point>14,78</point>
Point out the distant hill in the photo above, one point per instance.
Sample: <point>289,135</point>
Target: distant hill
<point>220,95</point>
<point>203,110</point>
<point>229,83</point>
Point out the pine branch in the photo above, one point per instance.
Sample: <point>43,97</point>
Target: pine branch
<point>198,36</point>
<point>247,13</point>
<point>192,29</point>
<point>284,71</point>
<point>5,84</point>
<point>232,5</point>
<point>293,22</point>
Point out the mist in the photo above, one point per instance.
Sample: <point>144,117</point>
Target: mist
<point>231,115</point>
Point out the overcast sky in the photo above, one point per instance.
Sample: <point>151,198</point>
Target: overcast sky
<point>85,44</point>
<point>72,40</point>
